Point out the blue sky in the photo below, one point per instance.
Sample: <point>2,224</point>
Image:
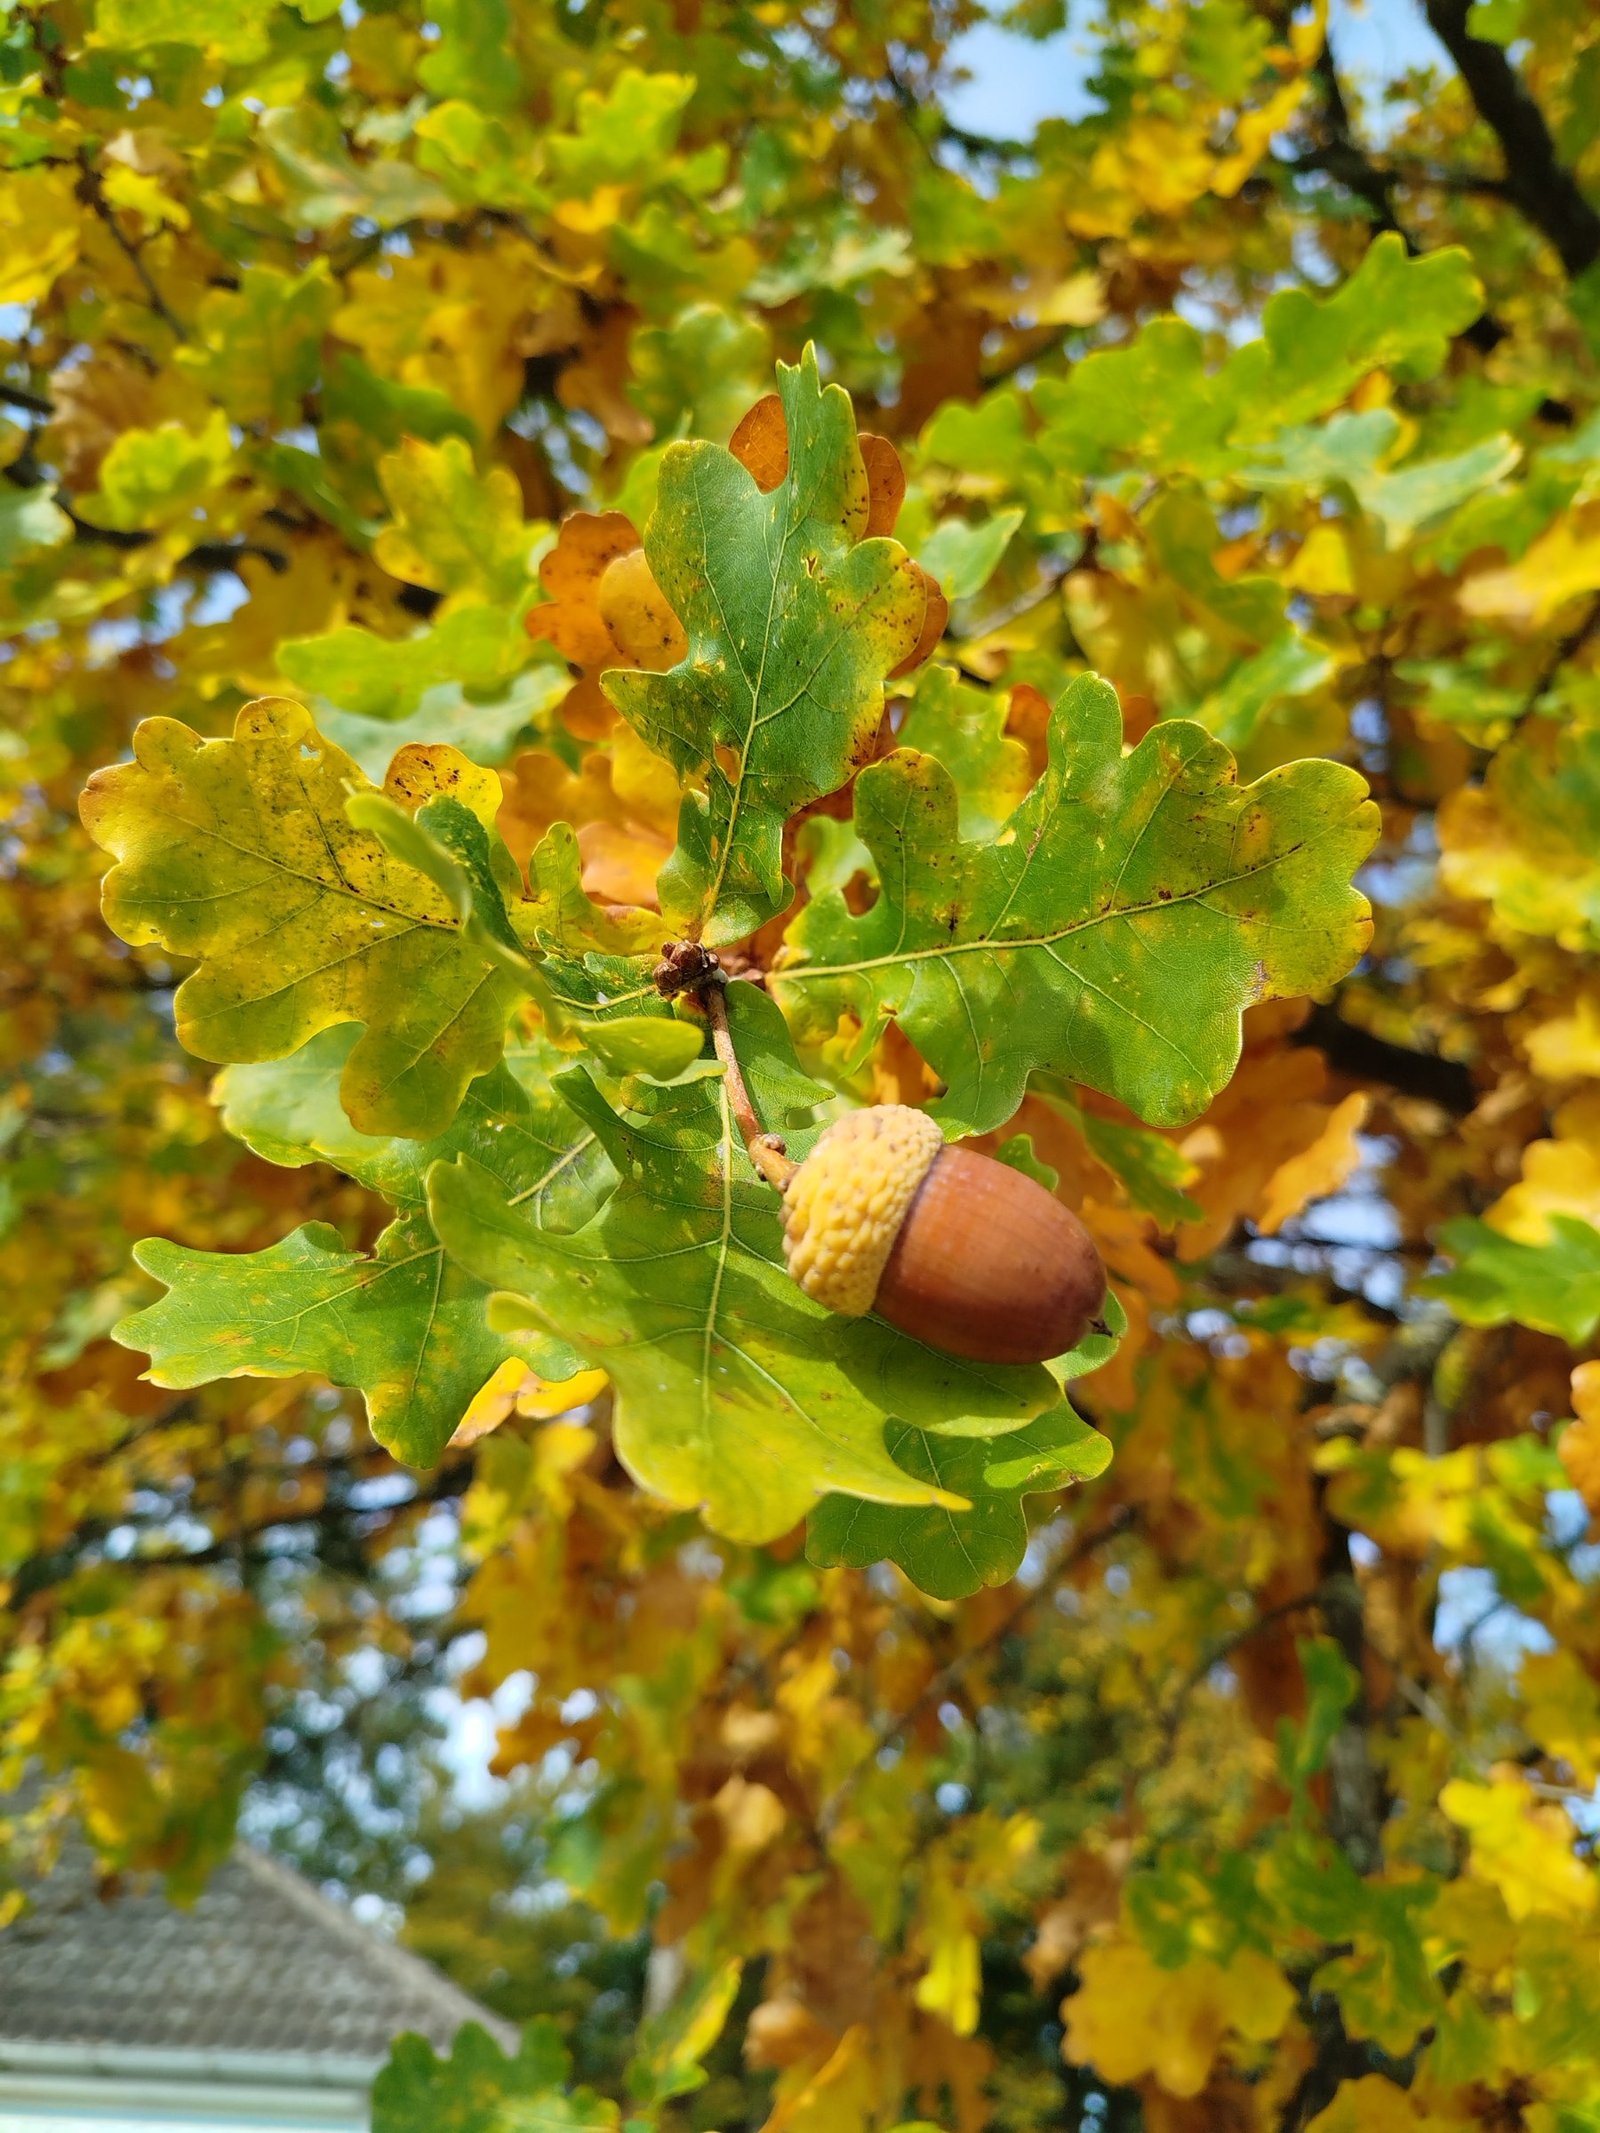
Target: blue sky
<point>1017,82</point>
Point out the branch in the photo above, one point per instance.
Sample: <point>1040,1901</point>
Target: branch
<point>1215,1655</point>
<point>1344,159</point>
<point>31,403</point>
<point>1538,183</point>
<point>938,1687</point>
<point>1357,1052</point>
<point>90,191</point>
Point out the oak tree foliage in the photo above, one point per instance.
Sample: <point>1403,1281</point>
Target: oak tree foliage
<point>1098,626</point>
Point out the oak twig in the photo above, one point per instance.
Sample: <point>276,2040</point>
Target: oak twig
<point>686,966</point>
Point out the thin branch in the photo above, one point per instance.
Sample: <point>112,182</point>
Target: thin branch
<point>91,191</point>
<point>31,403</point>
<point>938,1687</point>
<point>1357,1052</point>
<point>766,1152</point>
<point>1172,1717</point>
<point>1344,159</point>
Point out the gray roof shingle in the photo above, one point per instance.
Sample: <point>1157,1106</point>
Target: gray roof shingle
<point>262,1964</point>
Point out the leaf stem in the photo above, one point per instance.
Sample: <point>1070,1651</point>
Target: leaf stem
<point>687,966</point>
<point>765,1150</point>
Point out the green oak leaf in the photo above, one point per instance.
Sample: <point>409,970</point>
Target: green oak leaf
<point>1348,452</point>
<point>402,1325</point>
<point>1019,1153</point>
<point>240,852</point>
<point>479,2089</point>
<point>150,478</point>
<point>623,134</point>
<point>454,529</point>
<point>1553,1287</point>
<point>949,1553</point>
<point>964,556</point>
<point>966,729</point>
<point>29,522</point>
<point>734,1391</point>
<point>1291,665</point>
<point>236,33</point>
<point>260,344</point>
<point>793,623</point>
<point>479,648</point>
<point>380,411</point>
<point>1153,403</point>
<point>323,183</point>
<point>1113,932</point>
<point>485,725</point>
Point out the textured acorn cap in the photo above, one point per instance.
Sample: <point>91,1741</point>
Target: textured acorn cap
<point>843,1208</point>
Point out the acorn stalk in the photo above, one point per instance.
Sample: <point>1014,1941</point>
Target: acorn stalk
<point>963,1253</point>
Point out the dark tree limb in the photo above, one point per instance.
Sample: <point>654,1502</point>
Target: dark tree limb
<point>1538,183</point>
<point>1344,159</point>
<point>1357,1052</point>
<point>31,403</point>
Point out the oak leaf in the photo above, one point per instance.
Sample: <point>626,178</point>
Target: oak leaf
<point>1114,931</point>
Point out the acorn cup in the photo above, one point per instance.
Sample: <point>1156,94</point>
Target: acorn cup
<point>952,1247</point>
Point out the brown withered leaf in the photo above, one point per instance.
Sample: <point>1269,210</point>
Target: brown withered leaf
<point>761,446</point>
<point>596,381</point>
<point>604,610</point>
<point>570,619</point>
<point>934,617</point>
<point>761,443</point>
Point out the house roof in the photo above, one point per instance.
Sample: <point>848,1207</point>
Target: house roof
<point>262,1967</point>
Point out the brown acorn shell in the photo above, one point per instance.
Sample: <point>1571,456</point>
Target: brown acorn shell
<point>990,1266</point>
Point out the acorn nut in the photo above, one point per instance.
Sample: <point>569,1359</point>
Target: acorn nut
<point>954,1248</point>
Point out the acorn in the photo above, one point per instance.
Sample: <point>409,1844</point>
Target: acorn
<point>956,1249</point>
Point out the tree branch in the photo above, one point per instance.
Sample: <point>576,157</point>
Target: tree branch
<point>1364,1057</point>
<point>31,403</point>
<point>1538,184</point>
<point>90,191</point>
<point>1344,159</point>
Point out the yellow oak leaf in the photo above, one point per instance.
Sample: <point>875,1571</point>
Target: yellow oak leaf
<point>1556,568</point>
<point>841,2097</point>
<point>515,1389</point>
<point>136,192</point>
<point>38,233</point>
<point>1129,2017</point>
<point>1567,1046</point>
<point>1561,1710</point>
<point>1318,1170</point>
<point>951,1984</point>
<point>1254,132</point>
<point>1579,1445</point>
<point>1559,1176</point>
<point>460,322</point>
<point>1374,2104</point>
<point>1522,1845</point>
